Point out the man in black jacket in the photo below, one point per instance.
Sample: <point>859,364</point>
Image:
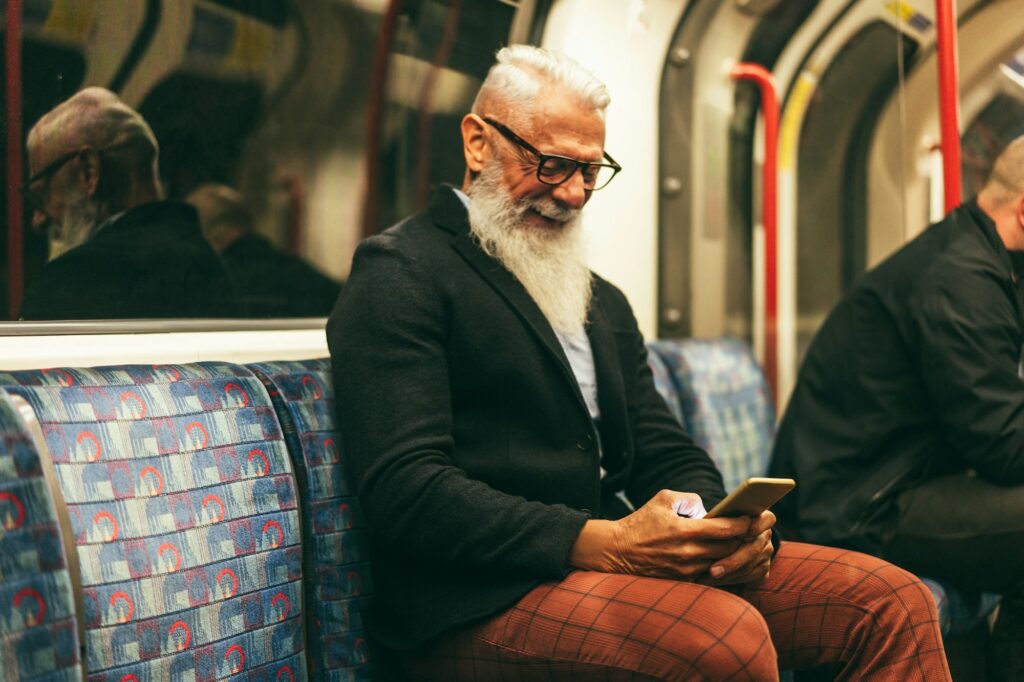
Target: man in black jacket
<point>270,281</point>
<point>906,427</point>
<point>123,253</point>
<point>494,395</point>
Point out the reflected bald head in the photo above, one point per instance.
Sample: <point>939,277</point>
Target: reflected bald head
<point>97,118</point>
<point>223,214</point>
<point>1006,181</point>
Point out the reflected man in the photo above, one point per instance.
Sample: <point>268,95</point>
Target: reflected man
<point>123,252</point>
<point>906,427</point>
<point>270,282</point>
<point>494,395</point>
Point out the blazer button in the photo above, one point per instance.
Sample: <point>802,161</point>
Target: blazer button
<point>585,442</point>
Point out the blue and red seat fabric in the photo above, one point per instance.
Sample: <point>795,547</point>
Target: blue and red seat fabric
<point>185,518</point>
<point>335,555</point>
<point>38,630</point>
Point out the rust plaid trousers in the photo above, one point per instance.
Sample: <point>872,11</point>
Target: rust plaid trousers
<point>866,618</point>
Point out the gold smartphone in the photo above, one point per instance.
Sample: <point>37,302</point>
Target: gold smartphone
<point>752,497</point>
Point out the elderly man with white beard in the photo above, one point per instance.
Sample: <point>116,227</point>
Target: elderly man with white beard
<point>494,398</point>
<point>118,249</point>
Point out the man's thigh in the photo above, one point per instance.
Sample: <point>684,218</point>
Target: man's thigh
<point>964,531</point>
<point>609,627</point>
<point>858,614</point>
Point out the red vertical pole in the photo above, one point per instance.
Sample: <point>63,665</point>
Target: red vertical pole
<point>769,196</point>
<point>15,220</point>
<point>949,100</point>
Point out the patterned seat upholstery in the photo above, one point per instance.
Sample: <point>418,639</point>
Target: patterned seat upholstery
<point>38,632</point>
<point>726,404</point>
<point>336,561</point>
<point>665,383</point>
<point>727,408</point>
<point>184,512</point>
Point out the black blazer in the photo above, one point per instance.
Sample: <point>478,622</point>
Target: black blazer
<point>151,261</point>
<point>476,456</point>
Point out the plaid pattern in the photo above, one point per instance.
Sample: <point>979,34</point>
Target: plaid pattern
<point>335,554</point>
<point>725,401</point>
<point>184,512</point>
<point>38,634</point>
<point>820,605</point>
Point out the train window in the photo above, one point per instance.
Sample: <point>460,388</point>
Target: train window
<point>260,109</point>
<point>832,185</point>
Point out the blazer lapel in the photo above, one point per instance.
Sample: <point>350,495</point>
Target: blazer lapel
<point>450,214</point>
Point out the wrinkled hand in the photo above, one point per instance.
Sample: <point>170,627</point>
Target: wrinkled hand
<point>751,562</point>
<point>657,541</point>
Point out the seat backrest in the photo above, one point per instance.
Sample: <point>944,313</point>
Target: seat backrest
<point>725,401</point>
<point>184,515</point>
<point>665,383</point>
<point>38,630</point>
<point>336,561</point>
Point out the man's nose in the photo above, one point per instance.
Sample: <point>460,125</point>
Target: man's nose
<point>571,192</point>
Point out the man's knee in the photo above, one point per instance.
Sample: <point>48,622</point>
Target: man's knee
<point>725,638</point>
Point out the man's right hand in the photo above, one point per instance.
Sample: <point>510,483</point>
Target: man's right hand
<point>656,541</point>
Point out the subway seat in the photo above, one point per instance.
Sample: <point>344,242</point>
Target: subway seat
<point>185,517</point>
<point>335,552</point>
<point>726,405</point>
<point>38,631</point>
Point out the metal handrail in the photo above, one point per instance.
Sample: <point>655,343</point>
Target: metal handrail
<point>949,100</point>
<point>769,198</point>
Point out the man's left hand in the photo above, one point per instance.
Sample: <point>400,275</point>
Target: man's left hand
<point>751,562</point>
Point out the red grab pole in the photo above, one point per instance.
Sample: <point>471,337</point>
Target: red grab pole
<point>949,100</point>
<point>15,219</point>
<point>770,111</point>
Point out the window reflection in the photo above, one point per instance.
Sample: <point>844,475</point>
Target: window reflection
<point>266,101</point>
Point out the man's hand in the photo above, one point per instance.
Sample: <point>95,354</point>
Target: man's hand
<point>657,541</point>
<point>750,563</point>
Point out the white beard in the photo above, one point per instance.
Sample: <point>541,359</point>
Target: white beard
<point>549,263</point>
<point>76,225</point>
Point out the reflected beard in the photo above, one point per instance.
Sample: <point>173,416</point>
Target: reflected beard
<point>76,225</point>
<point>549,263</point>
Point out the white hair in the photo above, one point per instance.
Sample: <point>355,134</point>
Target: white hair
<point>521,72</point>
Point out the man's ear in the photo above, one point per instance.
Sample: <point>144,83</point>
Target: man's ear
<point>474,143</point>
<point>89,168</point>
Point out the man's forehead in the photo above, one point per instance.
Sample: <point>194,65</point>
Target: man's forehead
<point>564,126</point>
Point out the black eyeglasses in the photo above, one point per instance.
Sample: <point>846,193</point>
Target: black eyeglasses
<point>554,170</point>
<point>35,200</point>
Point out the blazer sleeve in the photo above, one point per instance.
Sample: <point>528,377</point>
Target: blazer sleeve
<point>387,338</point>
<point>664,454</point>
<point>967,331</point>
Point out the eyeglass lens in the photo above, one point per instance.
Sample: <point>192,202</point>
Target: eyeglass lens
<point>555,170</point>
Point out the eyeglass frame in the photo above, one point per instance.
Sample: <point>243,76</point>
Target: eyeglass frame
<point>542,158</point>
<point>50,170</point>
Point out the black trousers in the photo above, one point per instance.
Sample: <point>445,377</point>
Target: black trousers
<point>963,531</point>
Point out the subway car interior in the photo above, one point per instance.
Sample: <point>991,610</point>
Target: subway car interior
<point>772,152</point>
